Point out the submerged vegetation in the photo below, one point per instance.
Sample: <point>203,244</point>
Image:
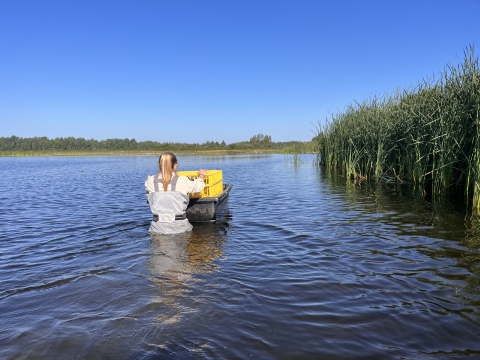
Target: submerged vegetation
<point>427,136</point>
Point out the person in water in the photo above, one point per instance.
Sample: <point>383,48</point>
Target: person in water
<point>167,196</point>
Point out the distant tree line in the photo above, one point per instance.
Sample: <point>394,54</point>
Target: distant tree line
<point>15,143</point>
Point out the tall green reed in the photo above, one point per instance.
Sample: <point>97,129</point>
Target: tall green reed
<point>427,135</point>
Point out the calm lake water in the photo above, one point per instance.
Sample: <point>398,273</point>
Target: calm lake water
<point>301,265</point>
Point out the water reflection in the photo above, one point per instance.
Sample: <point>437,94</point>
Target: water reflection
<point>424,244</point>
<point>179,264</point>
<point>404,207</point>
<point>314,269</point>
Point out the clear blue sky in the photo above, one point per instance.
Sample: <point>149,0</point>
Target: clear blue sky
<point>192,71</point>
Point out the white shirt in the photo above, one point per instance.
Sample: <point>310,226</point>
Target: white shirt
<point>184,184</point>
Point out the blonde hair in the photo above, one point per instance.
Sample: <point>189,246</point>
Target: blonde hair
<point>166,162</point>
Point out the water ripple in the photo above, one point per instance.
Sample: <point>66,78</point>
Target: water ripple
<point>302,265</point>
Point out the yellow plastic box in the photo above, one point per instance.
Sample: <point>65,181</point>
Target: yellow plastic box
<point>213,182</point>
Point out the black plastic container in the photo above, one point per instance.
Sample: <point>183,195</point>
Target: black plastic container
<point>206,209</point>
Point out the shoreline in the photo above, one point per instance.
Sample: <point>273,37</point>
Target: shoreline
<point>135,152</point>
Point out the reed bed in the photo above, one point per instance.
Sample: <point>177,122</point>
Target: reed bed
<point>427,135</point>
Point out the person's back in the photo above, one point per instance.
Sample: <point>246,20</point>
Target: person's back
<point>167,196</point>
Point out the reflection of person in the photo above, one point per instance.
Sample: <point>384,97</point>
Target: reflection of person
<point>167,196</point>
<point>175,262</point>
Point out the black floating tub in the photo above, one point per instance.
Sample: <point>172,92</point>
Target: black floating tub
<point>206,209</point>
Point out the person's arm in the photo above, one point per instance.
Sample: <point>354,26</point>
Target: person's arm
<point>149,185</point>
<point>198,183</point>
<point>187,186</point>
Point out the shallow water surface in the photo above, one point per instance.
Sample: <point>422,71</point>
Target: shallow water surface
<point>300,265</point>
